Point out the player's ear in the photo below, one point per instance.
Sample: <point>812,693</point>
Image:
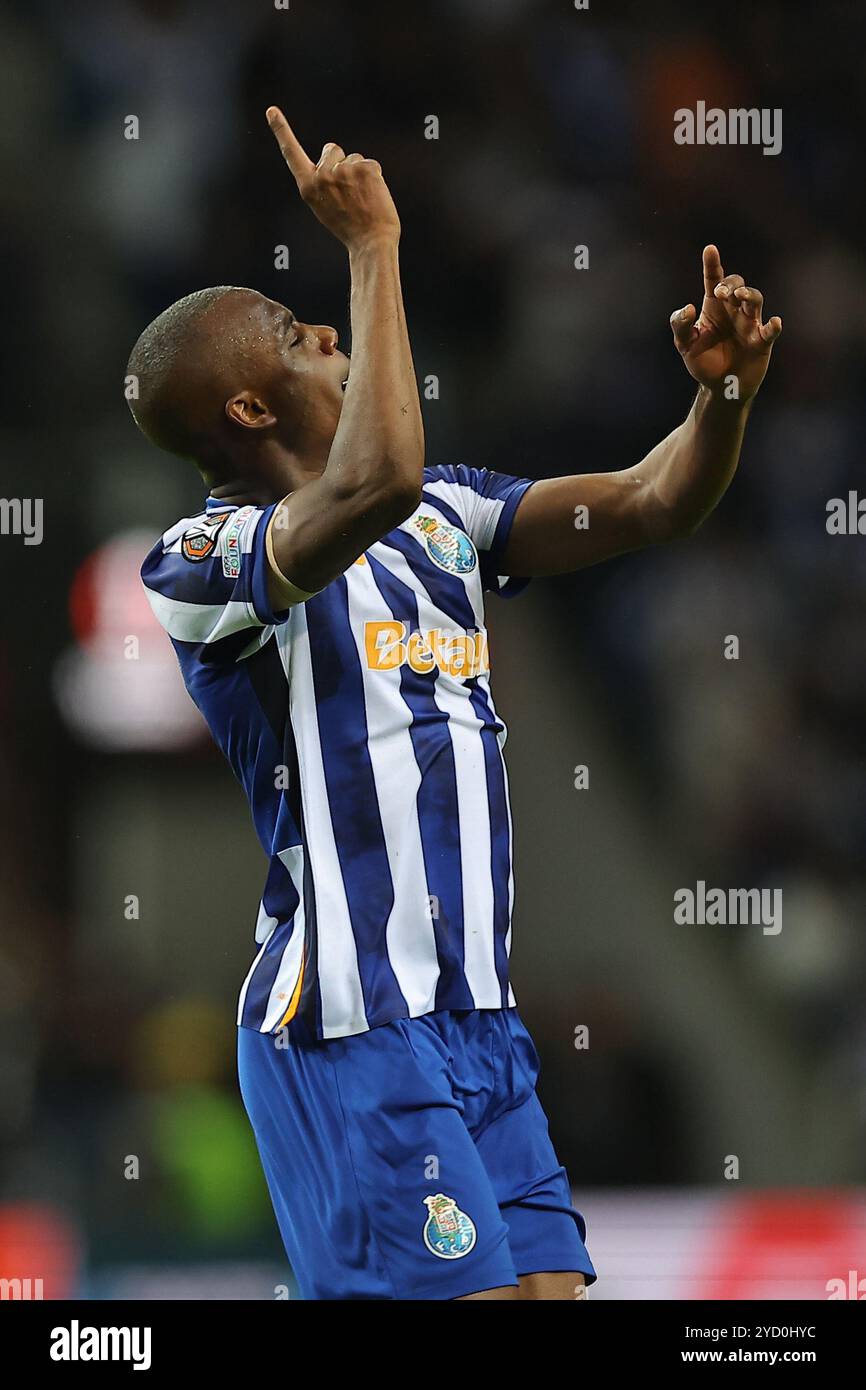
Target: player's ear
<point>247,409</point>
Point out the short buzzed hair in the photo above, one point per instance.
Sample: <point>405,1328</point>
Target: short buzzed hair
<point>165,363</point>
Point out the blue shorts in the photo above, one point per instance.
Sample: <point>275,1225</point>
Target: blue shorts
<point>412,1161</point>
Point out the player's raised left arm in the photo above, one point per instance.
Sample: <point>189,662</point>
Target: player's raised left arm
<point>565,524</point>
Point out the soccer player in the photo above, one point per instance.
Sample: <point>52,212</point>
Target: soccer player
<point>327,610</point>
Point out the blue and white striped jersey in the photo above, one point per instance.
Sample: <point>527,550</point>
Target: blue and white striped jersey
<point>362,728</point>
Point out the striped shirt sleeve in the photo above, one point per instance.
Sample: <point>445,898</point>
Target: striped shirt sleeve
<point>486,503</point>
<point>207,581</point>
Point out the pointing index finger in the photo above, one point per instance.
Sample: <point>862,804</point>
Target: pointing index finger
<point>713,272</point>
<point>291,148</point>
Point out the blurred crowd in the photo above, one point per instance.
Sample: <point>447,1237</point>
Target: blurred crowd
<point>555,129</point>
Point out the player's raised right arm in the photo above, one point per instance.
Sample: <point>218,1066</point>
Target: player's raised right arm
<point>372,480</point>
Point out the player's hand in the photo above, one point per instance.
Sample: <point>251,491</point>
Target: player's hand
<point>347,193</point>
<point>728,339</point>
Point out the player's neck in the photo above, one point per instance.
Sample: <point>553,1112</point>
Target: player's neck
<point>268,476</point>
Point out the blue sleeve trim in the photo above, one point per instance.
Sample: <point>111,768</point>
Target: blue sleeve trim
<point>259,556</point>
<point>513,584</point>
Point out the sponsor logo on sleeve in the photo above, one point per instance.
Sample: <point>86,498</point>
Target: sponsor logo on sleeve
<point>200,541</point>
<point>231,547</point>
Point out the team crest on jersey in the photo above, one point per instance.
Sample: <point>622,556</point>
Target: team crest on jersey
<point>450,549</point>
<point>200,540</point>
<point>448,1231</point>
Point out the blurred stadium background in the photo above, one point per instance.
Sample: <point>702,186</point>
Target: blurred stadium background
<point>556,129</point>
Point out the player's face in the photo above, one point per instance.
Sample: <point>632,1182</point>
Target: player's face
<point>306,372</point>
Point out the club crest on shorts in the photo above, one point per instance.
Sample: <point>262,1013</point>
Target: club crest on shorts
<point>450,549</point>
<point>448,1231</point>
